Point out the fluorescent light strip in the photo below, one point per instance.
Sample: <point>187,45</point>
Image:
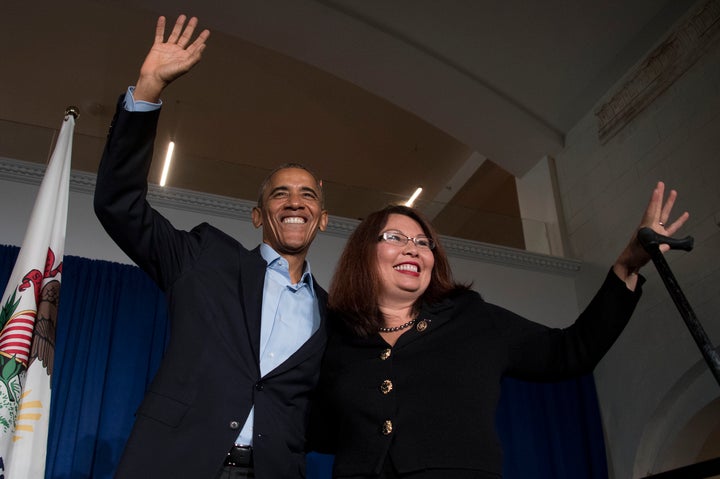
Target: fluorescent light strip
<point>168,160</point>
<point>413,197</point>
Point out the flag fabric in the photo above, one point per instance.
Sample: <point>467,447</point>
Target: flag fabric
<point>28,315</point>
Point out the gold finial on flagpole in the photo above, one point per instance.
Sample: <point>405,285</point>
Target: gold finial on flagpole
<point>72,110</point>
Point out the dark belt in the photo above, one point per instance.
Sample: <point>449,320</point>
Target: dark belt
<point>239,456</point>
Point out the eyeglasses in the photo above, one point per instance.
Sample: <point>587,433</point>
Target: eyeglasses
<point>399,239</point>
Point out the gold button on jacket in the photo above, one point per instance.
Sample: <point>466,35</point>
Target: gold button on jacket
<point>386,386</point>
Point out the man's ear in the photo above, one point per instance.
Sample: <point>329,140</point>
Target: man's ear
<point>256,217</point>
<point>323,220</point>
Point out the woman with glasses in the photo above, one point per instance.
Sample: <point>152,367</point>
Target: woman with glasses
<point>411,375</point>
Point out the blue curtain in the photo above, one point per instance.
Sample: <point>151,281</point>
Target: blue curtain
<point>551,430</point>
<point>111,333</point>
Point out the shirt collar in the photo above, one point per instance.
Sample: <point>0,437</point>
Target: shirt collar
<point>272,258</point>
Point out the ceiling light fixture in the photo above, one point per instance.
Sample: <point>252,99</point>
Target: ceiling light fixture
<point>168,160</point>
<point>413,197</point>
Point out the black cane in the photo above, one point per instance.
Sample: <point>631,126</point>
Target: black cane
<point>651,241</point>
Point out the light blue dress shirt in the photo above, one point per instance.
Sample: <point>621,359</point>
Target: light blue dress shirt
<point>290,312</point>
<point>132,105</point>
<point>290,315</point>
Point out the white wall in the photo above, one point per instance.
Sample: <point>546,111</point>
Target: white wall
<point>651,382</point>
<point>539,295</point>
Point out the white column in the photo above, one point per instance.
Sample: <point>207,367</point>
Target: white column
<point>540,209</point>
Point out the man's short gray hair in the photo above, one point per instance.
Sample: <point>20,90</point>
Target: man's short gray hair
<point>285,166</point>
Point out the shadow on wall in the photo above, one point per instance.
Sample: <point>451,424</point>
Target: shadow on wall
<point>685,427</point>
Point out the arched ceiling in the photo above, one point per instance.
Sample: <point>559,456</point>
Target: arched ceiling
<point>376,96</point>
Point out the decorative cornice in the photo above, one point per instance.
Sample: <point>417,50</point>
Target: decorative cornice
<point>200,202</point>
<point>665,64</point>
<point>81,182</point>
<point>478,251</point>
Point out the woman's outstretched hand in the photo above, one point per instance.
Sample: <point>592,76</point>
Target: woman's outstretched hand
<point>657,218</point>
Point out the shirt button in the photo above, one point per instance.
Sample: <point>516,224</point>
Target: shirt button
<point>234,425</point>
<point>259,386</point>
<point>387,428</point>
<point>422,325</point>
<point>385,354</point>
<point>386,386</point>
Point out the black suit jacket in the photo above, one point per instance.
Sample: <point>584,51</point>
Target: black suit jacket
<point>209,377</point>
<point>435,415</point>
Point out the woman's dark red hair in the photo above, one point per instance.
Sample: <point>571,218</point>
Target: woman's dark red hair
<point>355,287</point>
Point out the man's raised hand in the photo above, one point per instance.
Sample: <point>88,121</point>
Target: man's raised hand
<point>169,59</point>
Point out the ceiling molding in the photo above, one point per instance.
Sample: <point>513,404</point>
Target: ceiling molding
<point>223,206</point>
<point>666,63</point>
<point>484,252</point>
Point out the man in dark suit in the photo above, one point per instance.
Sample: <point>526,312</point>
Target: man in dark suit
<point>247,326</point>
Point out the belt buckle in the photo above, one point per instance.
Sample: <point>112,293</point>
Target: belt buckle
<point>239,456</point>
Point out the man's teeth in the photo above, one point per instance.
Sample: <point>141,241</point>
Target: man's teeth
<point>294,219</point>
<point>407,267</point>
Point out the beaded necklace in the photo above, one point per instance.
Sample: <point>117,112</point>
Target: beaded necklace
<point>397,328</point>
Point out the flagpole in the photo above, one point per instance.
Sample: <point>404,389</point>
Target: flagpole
<point>72,110</point>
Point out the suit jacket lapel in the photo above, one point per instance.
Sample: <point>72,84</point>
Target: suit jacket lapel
<point>433,316</point>
<point>251,282</point>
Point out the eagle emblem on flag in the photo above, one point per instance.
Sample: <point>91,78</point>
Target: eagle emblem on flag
<point>28,335</point>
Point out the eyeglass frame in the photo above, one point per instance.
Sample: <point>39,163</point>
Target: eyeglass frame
<point>399,242</point>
